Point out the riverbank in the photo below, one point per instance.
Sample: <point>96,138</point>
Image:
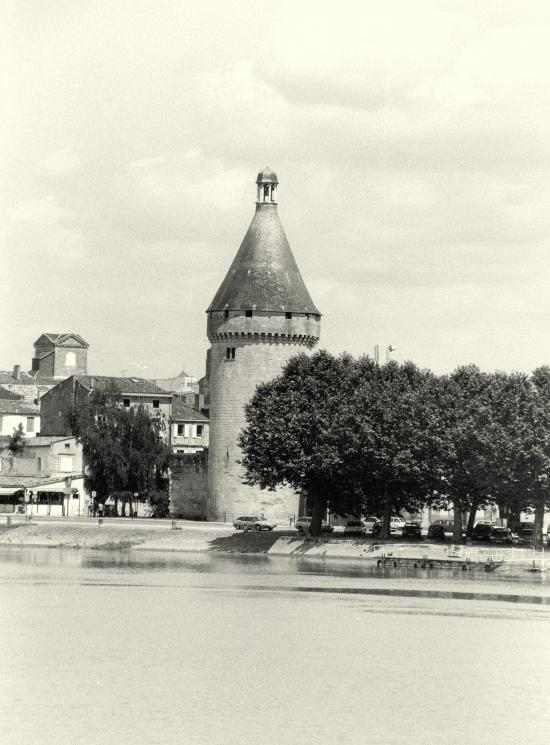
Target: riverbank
<point>188,536</point>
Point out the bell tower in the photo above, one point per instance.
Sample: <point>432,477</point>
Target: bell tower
<point>260,317</point>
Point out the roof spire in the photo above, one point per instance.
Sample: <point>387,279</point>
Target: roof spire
<point>267,186</point>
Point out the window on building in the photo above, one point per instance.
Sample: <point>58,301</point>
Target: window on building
<point>30,424</point>
<point>66,463</point>
<point>288,315</point>
<point>199,430</point>
<point>70,359</point>
<point>181,430</point>
<point>248,314</point>
<point>126,403</point>
<point>226,314</point>
<point>39,464</point>
<point>67,446</point>
<point>156,403</point>
<point>230,353</point>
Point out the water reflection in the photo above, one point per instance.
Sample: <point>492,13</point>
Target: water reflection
<point>207,648</point>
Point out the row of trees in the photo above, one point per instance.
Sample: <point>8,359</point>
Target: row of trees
<point>123,449</point>
<point>362,438</point>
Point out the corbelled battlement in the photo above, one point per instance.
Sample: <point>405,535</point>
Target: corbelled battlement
<point>263,326</point>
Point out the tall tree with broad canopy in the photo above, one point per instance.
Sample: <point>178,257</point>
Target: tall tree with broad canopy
<point>534,456</point>
<point>391,413</point>
<point>296,433</point>
<point>463,444</point>
<point>347,432</point>
<point>123,448</point>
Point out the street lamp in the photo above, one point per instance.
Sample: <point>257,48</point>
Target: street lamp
<point>389,349</point>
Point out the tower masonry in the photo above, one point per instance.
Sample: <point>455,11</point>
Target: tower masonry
<point>261,316</point>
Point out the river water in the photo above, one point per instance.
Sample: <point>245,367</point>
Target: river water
<point>144,648</point>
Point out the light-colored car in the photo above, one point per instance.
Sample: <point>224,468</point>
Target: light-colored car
<point>355,527</point>
<point>304,523</point>
<point>396,524</point>
<point>370,522</point>
<point>253,522</point>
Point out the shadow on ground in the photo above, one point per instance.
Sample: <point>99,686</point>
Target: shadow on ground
<point>250,541</point>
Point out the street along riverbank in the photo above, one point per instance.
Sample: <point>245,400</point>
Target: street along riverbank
<point>188,536</point>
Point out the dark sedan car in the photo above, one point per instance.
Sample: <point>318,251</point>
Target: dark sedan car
<point>412,530</point>
<point>436,532</point>
<point>493,534</point>
<point>524,531</point>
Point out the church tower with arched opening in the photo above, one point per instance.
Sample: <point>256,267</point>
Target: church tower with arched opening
<point>261,316</point>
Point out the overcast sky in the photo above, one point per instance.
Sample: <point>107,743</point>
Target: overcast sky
<point>411,142</point>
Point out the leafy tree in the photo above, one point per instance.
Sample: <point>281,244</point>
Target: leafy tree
<point>123,449</point>
<point>296,434</point>
<point>462,442</point>
<point>17,443</point>
<point>389,410</point>
<point>534,455</point>
<point>159,502</point>
<point>347,432</point>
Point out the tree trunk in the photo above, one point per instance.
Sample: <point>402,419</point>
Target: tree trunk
<point>386,518</point>
<point>457,528</point>
<point>319,512</point>
<point>539,520</point>
<point>514,514</point>
<point>472,517</point>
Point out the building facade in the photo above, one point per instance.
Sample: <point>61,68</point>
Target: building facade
<point>47,478</point>
<point>261,316</point>
<point>188,429</point>
<point>72,393</point>
<point>59,355</point>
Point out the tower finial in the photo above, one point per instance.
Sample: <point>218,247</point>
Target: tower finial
<point>267,186</point>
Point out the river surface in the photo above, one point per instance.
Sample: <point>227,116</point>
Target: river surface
<point>146,648</point>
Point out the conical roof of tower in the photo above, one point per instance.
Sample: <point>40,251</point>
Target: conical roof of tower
<point>264,274</point>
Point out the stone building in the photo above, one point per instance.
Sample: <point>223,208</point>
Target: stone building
<point>59,355</point>
<point>260,317</point>
<point>188,428</point>
<point>56,404</point>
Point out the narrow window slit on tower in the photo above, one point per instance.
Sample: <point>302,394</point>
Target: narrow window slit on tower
<point>288,315</point>
<point>248,314</point>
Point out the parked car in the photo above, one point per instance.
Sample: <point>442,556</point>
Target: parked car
<point>447,525</point>
<point>485,522</point>
<point>396,526</point>
<point>436,532</point>
<point>370,522</point>
<point>355,527</point>
<point>412,530</point>
<point>524,531</point>
<point>303,523</point>
<point>493,534</point>
<point>253,522</point>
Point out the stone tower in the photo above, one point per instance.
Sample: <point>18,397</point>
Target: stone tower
<point>261,316</point>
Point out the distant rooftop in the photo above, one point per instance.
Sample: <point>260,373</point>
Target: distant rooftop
<point>125,385</point>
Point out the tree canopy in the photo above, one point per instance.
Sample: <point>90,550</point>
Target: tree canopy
<point>363,438</point>
<point>123,448</point>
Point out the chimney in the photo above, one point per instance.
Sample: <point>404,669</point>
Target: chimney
<point>16,372</point>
